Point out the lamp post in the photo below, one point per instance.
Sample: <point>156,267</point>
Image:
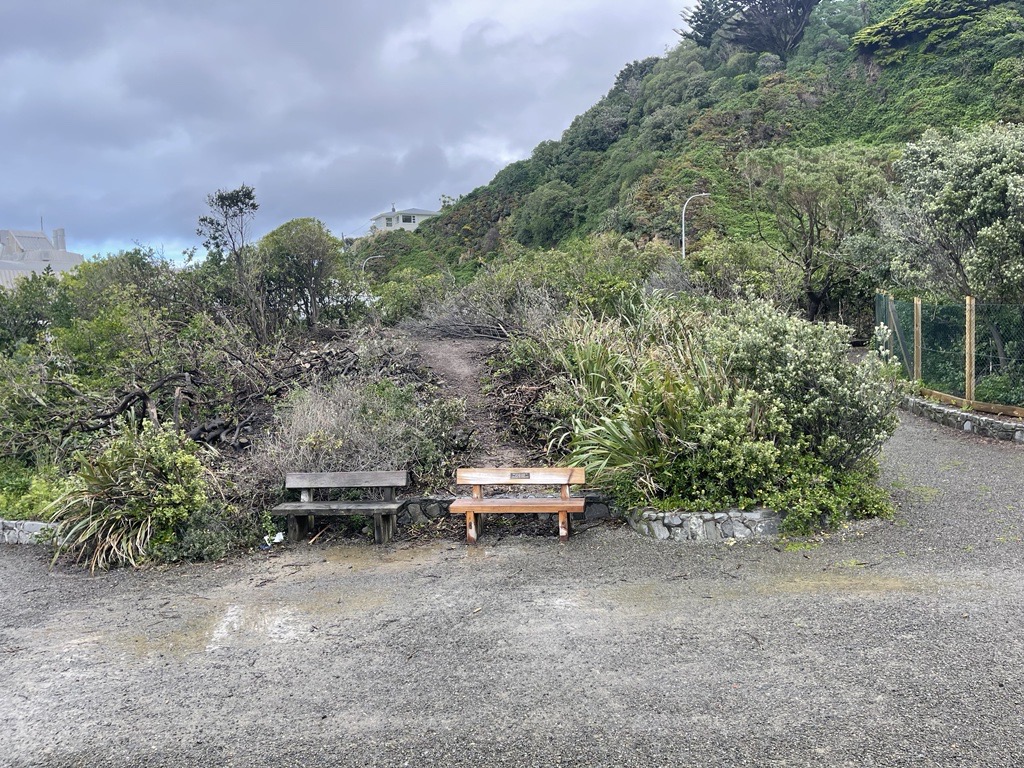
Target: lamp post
<point>368,258</point>
<point>683,217</point>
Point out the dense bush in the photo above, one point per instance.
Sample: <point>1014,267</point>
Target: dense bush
<point>406,293</point>
<point>527,290</point>
<point>703,407</point>
<point>26,494</point>
<point>131,498</point>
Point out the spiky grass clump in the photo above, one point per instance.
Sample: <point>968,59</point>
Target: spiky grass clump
<point>131,498</point>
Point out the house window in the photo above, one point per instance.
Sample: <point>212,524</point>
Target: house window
<point>387,222</point>
<point>408,219</point>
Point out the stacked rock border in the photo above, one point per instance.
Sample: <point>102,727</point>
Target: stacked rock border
<point>966,421</point>
<point>21,531</point>
<point>712,527</point>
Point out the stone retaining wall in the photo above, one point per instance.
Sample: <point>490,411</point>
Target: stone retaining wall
<point>20,531</point>
<point>729,524</point>
<point>966,421</point>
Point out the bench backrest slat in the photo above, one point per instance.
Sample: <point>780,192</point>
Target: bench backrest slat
<point>346,479</point>
<point>520,476</point>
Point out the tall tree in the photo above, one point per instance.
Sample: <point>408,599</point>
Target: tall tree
<point>815,200</point>
<point>956,217</point>
<point>304,258</point>
<point>226,233</point>
<point>772,26</point>
<point>705,19</point>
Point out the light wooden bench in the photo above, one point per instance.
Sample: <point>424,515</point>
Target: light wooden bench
<point>476,508</point>
<point>385,512</point>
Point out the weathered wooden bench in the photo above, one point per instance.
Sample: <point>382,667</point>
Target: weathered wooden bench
<point>384,512</point>
<point>476,508</point>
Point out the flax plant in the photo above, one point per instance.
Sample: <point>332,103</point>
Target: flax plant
<point>130,498</point>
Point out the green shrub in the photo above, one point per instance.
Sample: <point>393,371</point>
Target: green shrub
<point>1003,388</point>
<point>532,289</point>
<point>211,533</point>
<point>837,411</point>
<point>814,496</point>
<point>128,501</point>
<point>28,495</point>
<point>15,479</point>
<point>406,293</point>
<point>725,405</point>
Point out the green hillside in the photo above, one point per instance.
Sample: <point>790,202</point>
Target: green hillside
<point>874,74</point>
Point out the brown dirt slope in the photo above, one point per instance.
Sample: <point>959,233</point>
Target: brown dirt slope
<point>459,366</point>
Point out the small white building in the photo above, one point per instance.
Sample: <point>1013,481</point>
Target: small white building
<point>409,219</point>
<point>23,252</point>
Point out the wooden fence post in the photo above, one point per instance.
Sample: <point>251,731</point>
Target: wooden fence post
<point>917,338</point>
<point>969,348</point>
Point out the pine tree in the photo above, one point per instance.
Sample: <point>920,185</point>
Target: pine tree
<point>705,19</point>
<point>773,26</point>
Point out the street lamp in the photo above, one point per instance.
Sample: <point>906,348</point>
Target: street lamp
<point>683,217</point>
<point>378,256</point>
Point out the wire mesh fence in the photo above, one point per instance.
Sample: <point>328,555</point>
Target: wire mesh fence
<point>999,354</point>
<point>973,351</point>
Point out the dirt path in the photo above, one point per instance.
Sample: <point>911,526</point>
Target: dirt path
<point>460,366</point>
<point>895,643</point>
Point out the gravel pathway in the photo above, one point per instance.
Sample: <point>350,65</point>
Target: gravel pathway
<point>895,643</point>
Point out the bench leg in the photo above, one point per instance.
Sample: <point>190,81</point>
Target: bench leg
<point>563,525</point>
<point>298,527</point>
<point>471,530</point>
<point>381,529</point>
<point>384,527</point>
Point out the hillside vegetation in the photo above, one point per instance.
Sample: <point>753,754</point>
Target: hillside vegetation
<point>725,116</point>
<point>844,146</point>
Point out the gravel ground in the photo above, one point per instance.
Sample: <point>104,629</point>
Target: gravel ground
<point>893,643</point>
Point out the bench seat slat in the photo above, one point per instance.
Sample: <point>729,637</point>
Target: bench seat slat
<point>516,506</point>
<point>346,479</point>
<point>336,508</point>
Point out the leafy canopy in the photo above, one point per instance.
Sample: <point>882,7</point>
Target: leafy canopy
<point>955,221</point>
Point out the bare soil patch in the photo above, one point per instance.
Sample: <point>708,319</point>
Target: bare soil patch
<point>460,367</point>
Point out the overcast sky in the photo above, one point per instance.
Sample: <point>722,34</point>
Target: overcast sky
<point>118,117</point>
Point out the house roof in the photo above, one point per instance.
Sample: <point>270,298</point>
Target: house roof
<point>407,211</point>
<point>8,277</point>
<point>29,240</point>
<point>37,261</point>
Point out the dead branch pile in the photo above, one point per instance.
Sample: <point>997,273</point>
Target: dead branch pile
<point>223,404</point>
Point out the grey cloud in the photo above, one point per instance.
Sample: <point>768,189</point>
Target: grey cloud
<point>121,116</point>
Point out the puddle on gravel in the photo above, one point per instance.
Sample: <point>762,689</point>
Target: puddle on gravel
<point>837,582</point>
<point>233,625</point>
<point>480,553</point>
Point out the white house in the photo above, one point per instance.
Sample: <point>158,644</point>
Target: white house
<point>23,252</point>
<point>410,218</point>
